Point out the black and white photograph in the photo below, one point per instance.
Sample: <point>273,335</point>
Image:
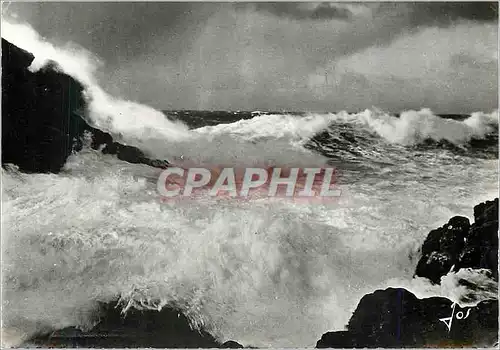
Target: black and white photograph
<point>249,174</point>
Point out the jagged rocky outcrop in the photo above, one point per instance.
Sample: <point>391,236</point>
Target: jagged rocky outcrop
<point>394,317</point>
<point>40,123</point>
<point>460,245</point>
<point>167,328</point>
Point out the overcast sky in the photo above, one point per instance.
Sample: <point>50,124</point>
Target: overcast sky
<point>293,56</point>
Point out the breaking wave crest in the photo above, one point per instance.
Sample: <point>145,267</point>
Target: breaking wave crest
<point>409,128</point>
<point>414,127</point>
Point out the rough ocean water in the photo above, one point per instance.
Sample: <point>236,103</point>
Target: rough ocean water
<point>264,273</point>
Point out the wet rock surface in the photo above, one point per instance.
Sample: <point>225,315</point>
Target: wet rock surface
<point>396,318</point>
<point>167,328</point>
<point>461,245</point>
<point>41,117</point>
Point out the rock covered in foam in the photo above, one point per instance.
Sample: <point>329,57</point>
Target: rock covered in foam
<point>41,122</point>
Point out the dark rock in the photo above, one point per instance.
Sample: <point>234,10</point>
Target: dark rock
<point>232,345</point>
<point>36,122</point>
<point>486,211</point>
<point>41,118</point>
<point>14,57</point>
<point>481,246</point>
<point>396,318</point>
<point>167,328</point>
<point>434,265</point>
<point>441,248</point>
<point>470,256</point>
<point>461,245</point>
<point>126,153</point>
<point>432,241</point>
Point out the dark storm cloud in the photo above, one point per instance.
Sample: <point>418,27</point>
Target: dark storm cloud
<point>393,20</point>
<point>263,55</point>
<point>446,13</point>
<point>387,22</point>
<point>316,11</point>
<point>419,13</point>
<point>117,31</point>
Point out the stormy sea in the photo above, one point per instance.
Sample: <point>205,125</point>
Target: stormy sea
<point>262,273</point>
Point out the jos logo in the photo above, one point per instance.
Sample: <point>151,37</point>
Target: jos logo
<point>459,316</point>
